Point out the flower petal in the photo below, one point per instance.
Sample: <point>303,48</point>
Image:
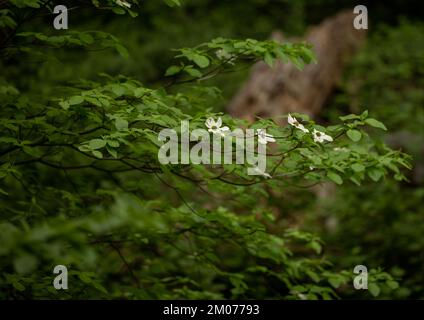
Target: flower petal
<point>328,138</point>
<point>209,122</point>
<point>219,122</point>
<point>301,127</point>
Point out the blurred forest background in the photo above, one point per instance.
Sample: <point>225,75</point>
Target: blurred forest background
<point>378,224</point>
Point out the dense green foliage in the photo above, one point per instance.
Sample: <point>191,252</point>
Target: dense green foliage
<point>81,185</point>
<point>383,224</point>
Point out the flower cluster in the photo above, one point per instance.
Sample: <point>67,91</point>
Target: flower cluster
<point>264,138</point>
<point>216,127</point>
<point>226,57</point>
<point>317,135</point>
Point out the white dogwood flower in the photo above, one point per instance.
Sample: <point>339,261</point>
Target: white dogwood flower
<point>302,296</point>
<point>223,55</point>
<point>321,136</point>
<point>293,121</point>
<point>264,138</point>
<point>261,173</point>
<point>215,126</point>
<point>123,3</point>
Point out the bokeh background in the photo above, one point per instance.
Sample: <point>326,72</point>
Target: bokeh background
<point>381,223</point>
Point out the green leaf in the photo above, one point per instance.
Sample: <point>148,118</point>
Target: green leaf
<point>200,60</point>
<point>36,153</point>
<point>139,92</point>
<point>375,123</point>
<point>374,289</point>
<point>85,278</point>
<point>392,284</point>
<point>334,177</point>
<point>335,282</point>
<point>18,286</point>
<point>99,287</point>
<point>76,100</point>
<point>9,140</point>
<point>298,63</point>
<point>316,246</point>
<point>193,72</point>
<point>357,167</point>
<point>64,105</point>
<point>96,144</point>
<point>349,117</point>
<point>355,180</point>
<point>121,124</point>
<point>269,59</point>
<point>87,38</point>
<point>113,143</point>
<point>93,100</point>
<point>173,3</point>
<point>133,14</point>
<point>118,10</point>
<point>122,50</point>
<point>112,152</point>
<point>354,135</point>
<point>172,70</point>
<point>97,154</point>
<point>118,89</point>
<point>313,275</point>
<point>375,174</point>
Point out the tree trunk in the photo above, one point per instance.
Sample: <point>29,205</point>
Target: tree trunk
<point>283,89</point>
